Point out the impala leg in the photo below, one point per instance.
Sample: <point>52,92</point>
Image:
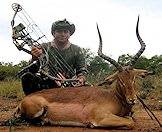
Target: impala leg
<point>116,121</point>
<point>107,119</point>
<point>32,107</point>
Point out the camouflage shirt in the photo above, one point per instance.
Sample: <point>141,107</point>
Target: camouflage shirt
<point>69,61</point>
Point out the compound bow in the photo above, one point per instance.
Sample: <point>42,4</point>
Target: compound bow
<point>31,35</point>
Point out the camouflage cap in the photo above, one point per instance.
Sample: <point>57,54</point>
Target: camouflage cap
<point>61,25</point>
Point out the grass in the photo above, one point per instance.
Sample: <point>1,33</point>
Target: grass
<point>11,89</point>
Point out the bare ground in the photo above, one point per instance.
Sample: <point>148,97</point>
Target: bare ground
<point>143,122</point>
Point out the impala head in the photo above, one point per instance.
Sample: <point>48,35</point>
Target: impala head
<point>126,85</point>
<point>126,75</point>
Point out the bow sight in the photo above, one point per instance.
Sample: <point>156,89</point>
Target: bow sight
<point>20,34</point>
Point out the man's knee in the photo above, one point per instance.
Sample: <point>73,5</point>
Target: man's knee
<point>27,77</point>
<point>30,83</point>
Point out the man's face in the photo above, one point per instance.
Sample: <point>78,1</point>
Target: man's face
<point>62,35</point>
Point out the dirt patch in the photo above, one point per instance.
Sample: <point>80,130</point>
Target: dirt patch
<point>142,121</point>
<point>7,107</point>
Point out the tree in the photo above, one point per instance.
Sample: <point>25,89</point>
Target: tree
<point>88,55</point>
<point>124,59</point>
<point>23,64</point>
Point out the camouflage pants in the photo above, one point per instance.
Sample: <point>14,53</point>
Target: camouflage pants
<point>32,83</point>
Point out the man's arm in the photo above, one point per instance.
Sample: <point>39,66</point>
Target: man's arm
<point>36,52</point>
<point>81,69</point>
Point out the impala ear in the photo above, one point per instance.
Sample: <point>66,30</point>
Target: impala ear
<point>109,80</point>
<point>144,73</point>
<point>104,83</point>
<point>41,113</point>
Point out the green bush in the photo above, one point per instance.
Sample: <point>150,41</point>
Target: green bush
<point>8,70</point>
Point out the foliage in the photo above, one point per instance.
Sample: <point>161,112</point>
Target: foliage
<point>156,64</point>
<point>88,55</point>
<point>98,70</point>
<point>153,64</point>
<point>124,59</point>
<point>8,70</point>
<point>96,66</point>
<point>22,64</point>
<point>142,62</point>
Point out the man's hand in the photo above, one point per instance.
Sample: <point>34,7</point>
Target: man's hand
<point>60,76</point>
<point>81,79</point>
<point>36,52</point>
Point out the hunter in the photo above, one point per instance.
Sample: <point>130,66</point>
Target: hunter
<point>69,54</point>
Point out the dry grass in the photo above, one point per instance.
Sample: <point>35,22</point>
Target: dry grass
<point>11,89</point>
